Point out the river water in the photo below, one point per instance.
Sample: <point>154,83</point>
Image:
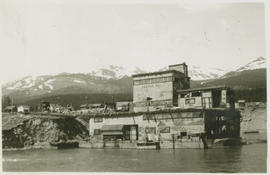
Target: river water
<point>248,158</point>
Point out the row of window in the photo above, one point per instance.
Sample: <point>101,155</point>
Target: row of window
<point>190,101</point>
<point>153,80</point>
<point>165,103</point>
<point>153,117</point>
<point>193,94</point>
<point>98,120</point>
<point>185,115</point>
<point>149,130</point>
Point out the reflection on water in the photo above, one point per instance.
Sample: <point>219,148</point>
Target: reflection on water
<point>249,158</point>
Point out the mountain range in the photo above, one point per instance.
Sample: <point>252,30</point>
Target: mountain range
<point>101,84</point>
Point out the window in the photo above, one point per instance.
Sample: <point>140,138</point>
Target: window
<point>136,82</point>
<point>152,80</point>
<point>165,130</point>
<point>183,95</point>
<point>183,134</point>
<point>190,101</point>
<point>196,94</point>
<point>97,131</point>
<point>149,130</point>
<point>148,117</point>
<point>98,120</point>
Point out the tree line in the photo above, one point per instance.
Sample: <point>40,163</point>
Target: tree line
<point>250,95</point>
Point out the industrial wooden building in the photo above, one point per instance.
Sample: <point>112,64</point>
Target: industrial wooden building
<point>168,113</point>
<point>178,128</point>
<point>158,90</point>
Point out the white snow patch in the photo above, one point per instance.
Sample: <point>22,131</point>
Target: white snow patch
<point>50,86</point>
<point>10,88</point>
<point>40,86</point>
<point>50,80</point>
<point>16,86</point>
<point>203,73</point>
<point>47,83</point>
<point>255,64</point>
<point>29,82</point>
<point>114,72</point>
<point>79,81</point>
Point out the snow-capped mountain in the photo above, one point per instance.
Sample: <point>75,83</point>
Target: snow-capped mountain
<point>48,83</point>
<point>110,79</point>
<point>36,85</point>
<point>205,73</point>
<point>202,72</point>
<point>115,72</point>
<point>259,63</point>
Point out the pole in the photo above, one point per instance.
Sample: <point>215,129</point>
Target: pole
<point>173,141</point>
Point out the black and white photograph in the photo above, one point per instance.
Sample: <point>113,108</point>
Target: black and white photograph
<point>136,86</point>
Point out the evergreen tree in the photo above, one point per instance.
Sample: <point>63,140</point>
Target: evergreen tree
<point>6,101</point>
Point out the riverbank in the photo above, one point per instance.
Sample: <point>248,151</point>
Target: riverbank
<point>32,131</point>
<point>254,122</point>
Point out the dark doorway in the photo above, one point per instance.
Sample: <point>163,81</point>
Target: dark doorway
<point>130,132</point>
<point>216,95</point>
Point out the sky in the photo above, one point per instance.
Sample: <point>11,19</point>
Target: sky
<point>50,37</point>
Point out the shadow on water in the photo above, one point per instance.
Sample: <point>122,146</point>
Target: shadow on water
<point>249,158</point>
<point>227,159</point>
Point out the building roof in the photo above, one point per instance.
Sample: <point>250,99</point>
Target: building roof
<point>112,128</point>
<point>123,102</point>
<point>157,73</point>
<point>24,106</point>
<point>203,89</point>
<point>10,107</point>
<point>95,104</point>
<point>112,132</point>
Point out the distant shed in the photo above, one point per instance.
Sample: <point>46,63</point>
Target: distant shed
<point>10,109</point>
<point>23,109</point>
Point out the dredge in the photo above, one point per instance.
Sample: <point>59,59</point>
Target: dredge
<point>166,113</point>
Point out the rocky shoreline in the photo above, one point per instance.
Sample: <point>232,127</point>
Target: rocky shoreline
<point>33,131</point>
<point>253,124</point>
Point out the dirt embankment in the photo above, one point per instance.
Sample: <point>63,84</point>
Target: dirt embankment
<point>254,122</point>
<point>23,131</point>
